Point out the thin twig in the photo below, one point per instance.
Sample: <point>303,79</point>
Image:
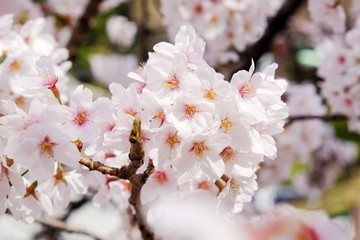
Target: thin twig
<point>122,173</point>
<point>256,50</point>
<point>81,27</point>
<point>56,224</point>
<point>337,117</point>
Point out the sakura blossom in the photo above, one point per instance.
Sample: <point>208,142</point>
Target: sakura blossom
<point>199,136</point>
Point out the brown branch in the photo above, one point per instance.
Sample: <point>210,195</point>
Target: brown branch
<point>136,156</point>
<point>81,27</point>
<point>256,50</point>
<point>337,117</point>
<point>121,173</point>
<point>355,214</point>
<point>137,181</point>
<point>59,225</point>
<point>63,19</point>
<point>49,232</point>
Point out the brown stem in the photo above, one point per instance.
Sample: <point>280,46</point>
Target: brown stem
<point>122,173</point>
<point>59,225</point>
<point>63,19</point>
<point>337,117</point>
<point>137,181</point>
<point>355,213</point>
<point>81,27</point>
<point>256,50</point>
<point>136,156</point>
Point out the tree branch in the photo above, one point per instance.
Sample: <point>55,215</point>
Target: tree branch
<point>63,19</point>
<point>53,233</point>
<point>136,156</point>
<point>337,117</point>
<point>59,225</point>
<point>121,173</point>
<point>137,181</point>
<point>81,27</point>
<point>256,50</point>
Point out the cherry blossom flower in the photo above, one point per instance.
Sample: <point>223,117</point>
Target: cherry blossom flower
<point>9,177</point>
<point>112,188</point>
<point>191,114</point>
<point>201,152</point>
<point>238,190</point>
<point>160,184</point>
<point>83,117</point>
<point>169,140</point>
<point>29,206</point>
<point>60,186</point>
<point>125,100</point>
<point>41,146</point>
<point>47,78</point>
<point>169,80</point>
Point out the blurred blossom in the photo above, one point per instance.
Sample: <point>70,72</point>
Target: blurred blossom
<point>329,13</point>
<point>70,8</point>
<point>113,68</point>
<point>299,139</point>
<point>328,161</point>
<point>286,222</point>
<point>22,9</point>
<point>225,25</point>
<point>108,5</point>
<point>121,31</point>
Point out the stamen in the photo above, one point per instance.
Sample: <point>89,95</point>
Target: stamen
<point>81,118</point>
<point>190,111</point>
<point>199,149</point>
<point>172,140</point>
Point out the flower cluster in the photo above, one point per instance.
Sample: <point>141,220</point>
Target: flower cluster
<point>201,132</point>
<point>286,222</point>
<point>203,129</point>
<point>224,24</point>
<point>340,65</point>
<point>309,154</point>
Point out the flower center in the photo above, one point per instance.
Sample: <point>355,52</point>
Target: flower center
<point>190,111</point>
<point>235,187</point>
<point>161,177</point>
<point>46,147</point>
<point>15,65</point>
<point>307,233</point>
<point>204,185</point>
<point>226,124</point>
<point>172,82</point>
<point>81,118</point>
<point>246,90</point>
<point>172,140</point>
<point>210,95</point>
<point>198,8</point>
<point>199,149</point>
<point>130,112</point>
<point>160,116</point>
<point>31,190</point>
<point>213,20</point>
<point>227,154</point>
